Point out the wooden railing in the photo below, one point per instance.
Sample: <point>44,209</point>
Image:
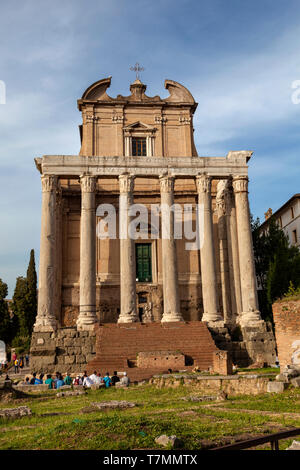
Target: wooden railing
<point>258,441</point>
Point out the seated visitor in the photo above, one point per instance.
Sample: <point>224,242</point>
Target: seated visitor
<point>77,381</point>
<point>49,381</point>
<point>32,380</point>
<point>93,376</point>
<point>87,382</point>
<point>39,381</point>
<point>60,382</point>
<point>98,379</point>
<point>125,380</point>
<point>107,380</point>
<point>115,378</point>
<point>68,380</point>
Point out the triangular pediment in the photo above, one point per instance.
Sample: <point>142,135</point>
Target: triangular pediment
<point>138,125</point>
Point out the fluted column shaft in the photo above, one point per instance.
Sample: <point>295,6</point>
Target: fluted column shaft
<point>169,257</point>
<point>246,258</point>
<point>128,312</point>
<point>233,253</point>
<point>87,310</point>
<point>223,249</point>
<point>45,320</point>
<point>207,252</point>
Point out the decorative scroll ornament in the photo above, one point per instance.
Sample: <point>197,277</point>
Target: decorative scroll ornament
<point>92,118</point>
<point>117,119</point>
<point>88,183</point>
<point>185,120</point>
<point>126,183</point>
<point>166,183</point>
<point>49,183</point>
<point>203,183</point>
<point>240,184</point>
<point>160,119</point>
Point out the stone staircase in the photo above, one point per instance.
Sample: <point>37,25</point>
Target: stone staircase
<point>117,346</point>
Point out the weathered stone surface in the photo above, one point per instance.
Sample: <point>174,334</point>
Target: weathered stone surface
<point>113,404</point>
<point>33,388</point>
<point>15,412</point>
<point>276,387</point>
<point>296,382</point>
<point>231,385</point>
<point>71,393</point>
<point>287,329</point>
<point>294,446</point>
<point>167,441</point>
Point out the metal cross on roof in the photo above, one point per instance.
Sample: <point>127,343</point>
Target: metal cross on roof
<point>137,69</point>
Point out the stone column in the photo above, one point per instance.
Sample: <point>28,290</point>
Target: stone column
<point>45,320</point>
<point>233,253</point>
<point>128,312</point>
<point>250,307</point>
<point>169,256</point>
<point>207,252</point>
<point>223,249</point>
<point>87,310</point>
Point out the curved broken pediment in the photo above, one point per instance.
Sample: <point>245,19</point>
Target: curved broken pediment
<point>97,91</point>
<point>178,93</point>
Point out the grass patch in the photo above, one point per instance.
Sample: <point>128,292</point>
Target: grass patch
<point>58,423</point>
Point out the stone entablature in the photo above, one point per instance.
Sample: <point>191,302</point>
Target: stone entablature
<point>234,164</point>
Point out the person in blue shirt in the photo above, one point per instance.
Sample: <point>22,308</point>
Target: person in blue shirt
<point>60,382</point>
<point>107,380</point>
<point>39,381</point>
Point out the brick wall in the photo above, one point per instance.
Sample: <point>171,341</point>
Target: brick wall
<point>287,331</point>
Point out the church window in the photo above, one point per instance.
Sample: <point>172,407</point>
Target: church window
<point>139,147</point>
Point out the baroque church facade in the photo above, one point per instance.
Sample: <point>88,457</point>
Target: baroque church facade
<point>141,150</point>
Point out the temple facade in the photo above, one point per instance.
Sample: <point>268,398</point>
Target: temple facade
<point>139,150</point>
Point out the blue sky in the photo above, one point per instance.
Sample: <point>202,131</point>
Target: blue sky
<point>238,59</point>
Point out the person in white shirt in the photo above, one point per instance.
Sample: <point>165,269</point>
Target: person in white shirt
<point>98,379</point>
<point>125,380</point>
<point>93,377</point>
<point>87,382</point>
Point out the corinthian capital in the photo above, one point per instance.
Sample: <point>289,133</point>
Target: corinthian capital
<point>126,183</point>
<point>203,183</point>
<point>166,183</point>
<point>88,183</point>
<point>240,184</point>
<point>49,183</point>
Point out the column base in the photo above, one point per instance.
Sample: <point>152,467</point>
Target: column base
<point>128,318</point>
<point>171,317</point>
<point>251,318</point>
<point>212,317</point>
<point>86,321</point>
<point>86,326</point>
<point>45,324</point>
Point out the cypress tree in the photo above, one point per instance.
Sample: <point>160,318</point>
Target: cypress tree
<point>31,293</point>
<point>19,305</point>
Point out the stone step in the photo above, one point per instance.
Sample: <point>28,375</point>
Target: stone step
<point>116,344</point>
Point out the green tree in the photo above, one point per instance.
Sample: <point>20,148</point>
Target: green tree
<point>5,321</point>
<point>20,305</point>
<point>276,262</point>
<point>31,296</point>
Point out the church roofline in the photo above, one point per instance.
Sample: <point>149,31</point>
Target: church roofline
<point>96,93</point>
